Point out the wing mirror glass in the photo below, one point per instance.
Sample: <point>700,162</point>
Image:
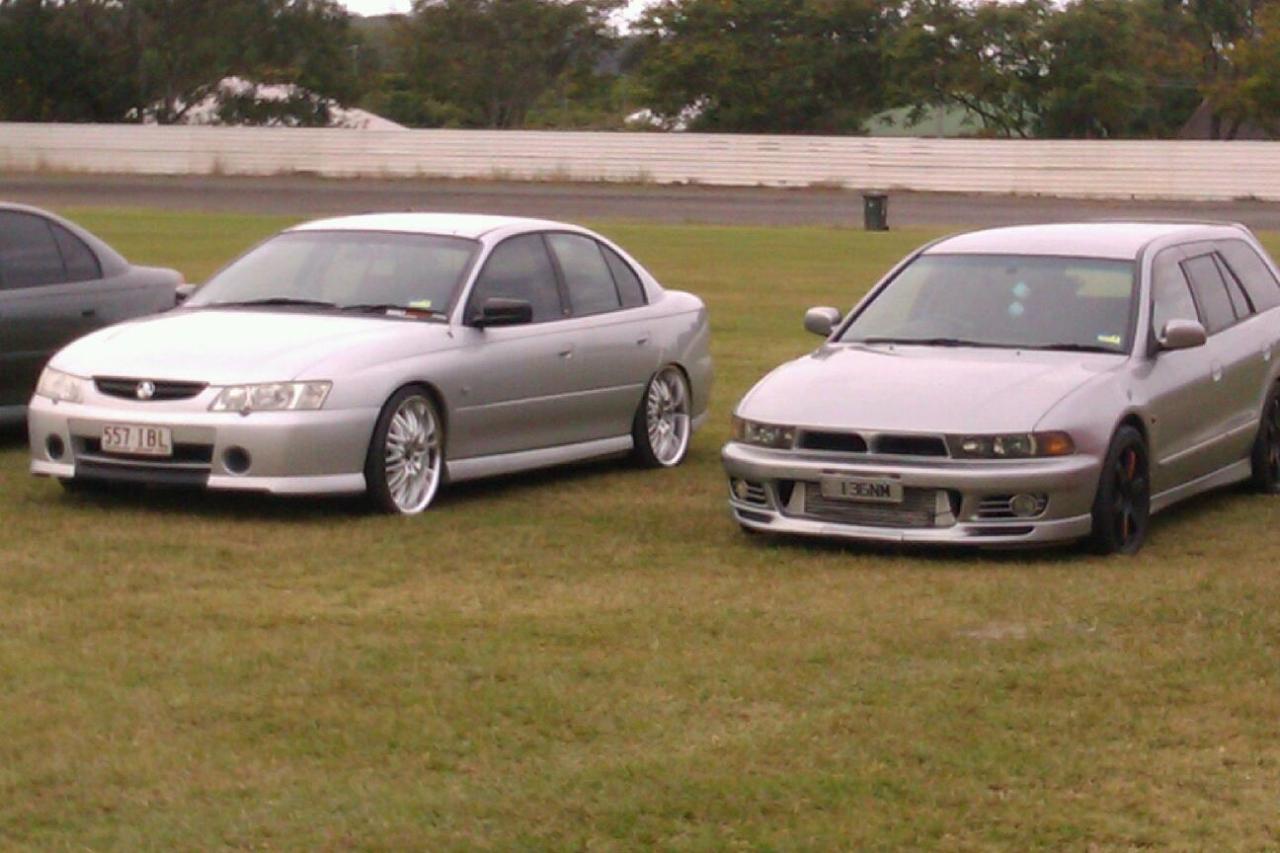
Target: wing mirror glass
<point>1182,334</point>
<point>821,320</point>
<point>183,292</point>
<point>495,311</point>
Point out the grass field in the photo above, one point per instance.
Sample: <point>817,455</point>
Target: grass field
<point>597,657</point>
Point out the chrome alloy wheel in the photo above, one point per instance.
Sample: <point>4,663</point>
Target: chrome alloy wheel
<point>667,416</point>
<point>411,455</point>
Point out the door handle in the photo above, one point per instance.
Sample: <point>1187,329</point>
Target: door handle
<point>642,340</point>
<point>567,352</point>
<point>89,312</point>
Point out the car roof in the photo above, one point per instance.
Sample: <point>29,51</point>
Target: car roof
<point>470,225</point>
<point>1119,240</point>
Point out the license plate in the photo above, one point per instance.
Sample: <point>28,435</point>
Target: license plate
<point>137,440</point>
<point>864,490</point>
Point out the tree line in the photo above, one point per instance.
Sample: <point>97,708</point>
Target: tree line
<point>1032,68</point>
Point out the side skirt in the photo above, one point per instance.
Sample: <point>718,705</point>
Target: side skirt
<point>1233,473</point>
<point>527,460</point>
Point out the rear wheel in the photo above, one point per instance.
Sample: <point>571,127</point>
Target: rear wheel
<point>1266,447</point>
<point>405,463</point>
<point>662,424</point>
<point>1122,507</point>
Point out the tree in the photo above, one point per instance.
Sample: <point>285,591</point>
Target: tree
<point>487,62</point>
<point>766,65</point>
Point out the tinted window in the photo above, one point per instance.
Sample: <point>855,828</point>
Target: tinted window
<point>520,268</point>
<point>629,286</point>
<point>586,275</point>
<point>1003,301</point>
<point>1239,301</point>
<point>29,257</point>
<point>1211,293</point>
<point>1252,272</point>
<point>80,261</point>
<point>1170,294</point>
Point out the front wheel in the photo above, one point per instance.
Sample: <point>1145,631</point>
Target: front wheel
<point>1266,447</point>
<point>1122,507</point>
<point>662,424</point>
<point>406,460</point>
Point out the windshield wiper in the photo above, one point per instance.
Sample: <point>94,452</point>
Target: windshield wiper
<point>383,307</point>
<point>927,342</point>
<point>1076,348</point>
<point>272,301</point>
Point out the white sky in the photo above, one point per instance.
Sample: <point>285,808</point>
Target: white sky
<point>381,7</point>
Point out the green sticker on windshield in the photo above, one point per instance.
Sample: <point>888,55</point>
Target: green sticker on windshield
<point>1110,340</point>
<point>420,303</point>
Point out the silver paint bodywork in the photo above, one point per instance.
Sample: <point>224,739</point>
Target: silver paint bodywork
<point>512,398</point>
<point>1199,408</point>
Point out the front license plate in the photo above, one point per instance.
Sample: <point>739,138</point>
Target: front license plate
<point>863,489</point>
<point>137,440</point>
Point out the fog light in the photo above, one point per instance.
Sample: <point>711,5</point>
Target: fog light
<point>55,447</point>
<point>236,460</point>
<point>740,488</point>
<point>1025,506</point>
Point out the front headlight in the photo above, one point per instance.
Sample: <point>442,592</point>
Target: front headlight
<point>271,397</point>
<point>60,387</point>
<point>763,435</point>
<point>1022,445</point>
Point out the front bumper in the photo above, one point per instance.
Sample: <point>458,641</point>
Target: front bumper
<point>954,498</point>
<point>309,452</point>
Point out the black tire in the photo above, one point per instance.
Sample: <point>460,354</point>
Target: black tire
<point>1122,506</point>
<point>667,397</point>
<point>1266,447</point>
<point>383,492</point>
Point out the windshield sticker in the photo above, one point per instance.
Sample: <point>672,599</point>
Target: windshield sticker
<point>1110,340</point>
<point>423,304</point>
<point>1021,290</point>
<point>1017,309</point>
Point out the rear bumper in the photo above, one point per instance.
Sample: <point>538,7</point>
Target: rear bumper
<point>780,479</point>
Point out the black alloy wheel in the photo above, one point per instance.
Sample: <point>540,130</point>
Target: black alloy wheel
<point>1266,447</point>
<point>1122,507</point>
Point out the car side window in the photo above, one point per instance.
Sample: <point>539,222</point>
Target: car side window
<point>1253,273</point>
<point>29,255</point>
<point>1170,294</point>
<point>629,286</point>
<point>519,268</point>
<point>80,261</point>
<point>1211,293</point>
<point>1239,301</point>
<point>586,275</point>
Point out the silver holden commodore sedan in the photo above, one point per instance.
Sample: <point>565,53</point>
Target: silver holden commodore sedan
<point>1023,385</point>
<point>385,354</point>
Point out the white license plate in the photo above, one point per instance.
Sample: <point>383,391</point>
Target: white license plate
<point>137,440</point>
<point>863,489</point>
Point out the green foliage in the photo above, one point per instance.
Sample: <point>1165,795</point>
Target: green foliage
<point>492,60</point>
<point>766,65</point>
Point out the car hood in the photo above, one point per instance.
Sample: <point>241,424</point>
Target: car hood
<point>242,346</point>
<point>921,389</point>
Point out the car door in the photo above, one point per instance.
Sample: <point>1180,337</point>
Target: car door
<point>46,298</point>
<point>1238,368</point>
<point>1178,384</point>
<point>614,351</point>
<point>512,385</point>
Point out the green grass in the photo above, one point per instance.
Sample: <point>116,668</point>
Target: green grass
<point>597,657</point>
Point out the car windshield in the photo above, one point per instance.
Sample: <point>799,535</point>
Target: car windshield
<point>1016,301</point>
<point>352,270</point>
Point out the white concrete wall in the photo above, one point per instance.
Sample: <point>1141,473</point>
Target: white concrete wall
<point>1126,169</point>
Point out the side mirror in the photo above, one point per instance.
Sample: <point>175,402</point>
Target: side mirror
<point>183,292</point>
<point>821,320</point>
<point>495,311</point>
<point>1182,334</point>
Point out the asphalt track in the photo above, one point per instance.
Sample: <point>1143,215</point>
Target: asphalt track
<point>310,197</point>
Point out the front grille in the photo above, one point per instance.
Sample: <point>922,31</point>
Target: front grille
<point>114,386</point>
<point>835,442</point>
<point>910,445</point>
<point>184,455</point>
<point>919,508</point>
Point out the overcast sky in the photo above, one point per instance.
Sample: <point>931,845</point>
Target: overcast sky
<point>381,7</point>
